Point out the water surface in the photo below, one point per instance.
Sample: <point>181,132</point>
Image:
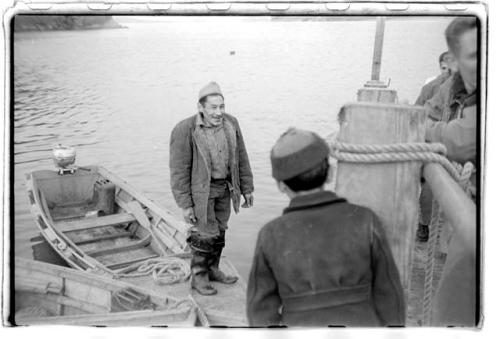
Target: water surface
<point>117,94</point>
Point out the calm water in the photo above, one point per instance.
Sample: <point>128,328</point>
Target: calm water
<point>117,94</point>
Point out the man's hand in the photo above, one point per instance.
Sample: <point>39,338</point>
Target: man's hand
<point>248,200</point>
<point>188,215</point>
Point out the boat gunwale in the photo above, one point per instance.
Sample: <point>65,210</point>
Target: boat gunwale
<point>88,278</point>
<point>88,261</point>
<point>190,316</point>
<point>37,210</point>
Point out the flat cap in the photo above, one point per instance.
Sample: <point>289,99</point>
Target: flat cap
<point>297,151</point>
<point>210,89</point>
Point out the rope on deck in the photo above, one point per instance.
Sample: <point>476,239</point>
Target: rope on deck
<point>165,270</point>
<point>402,152</point>
<point>435,228</point>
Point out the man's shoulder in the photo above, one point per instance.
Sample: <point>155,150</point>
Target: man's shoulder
<point>270,227</point>
<point>231,118</point>
<point>186,123</point>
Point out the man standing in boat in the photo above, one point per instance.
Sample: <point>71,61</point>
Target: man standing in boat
<point>209,168</point>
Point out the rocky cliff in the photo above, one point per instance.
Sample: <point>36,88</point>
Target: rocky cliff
<point>63,22</point>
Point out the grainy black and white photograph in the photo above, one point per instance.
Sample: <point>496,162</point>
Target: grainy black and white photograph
<point>246,170</point>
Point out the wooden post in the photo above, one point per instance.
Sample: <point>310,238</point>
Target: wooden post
<point>376,90</point>
<point>377,49</point>
<point>391,190</point>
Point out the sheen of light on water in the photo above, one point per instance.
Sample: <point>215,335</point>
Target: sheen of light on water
<point>116,95</point>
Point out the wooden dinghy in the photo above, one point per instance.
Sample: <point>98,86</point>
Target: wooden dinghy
<point>51,294</point>
<point>97,222</point>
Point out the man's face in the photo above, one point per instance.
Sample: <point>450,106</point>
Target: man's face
<point>466,57</point>
<point>212,109</point>
<point>445,69</point>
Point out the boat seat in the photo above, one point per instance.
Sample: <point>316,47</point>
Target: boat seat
<point>115,249</point>
<point>131,261</point>
<point>89,223</point>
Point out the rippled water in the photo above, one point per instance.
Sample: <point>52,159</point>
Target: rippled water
<point>117,94</point>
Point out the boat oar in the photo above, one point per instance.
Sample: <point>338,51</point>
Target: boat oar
<point>136,209</point>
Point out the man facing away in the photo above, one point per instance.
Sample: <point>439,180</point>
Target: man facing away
<point>209,168</point>
<point>324,261</point>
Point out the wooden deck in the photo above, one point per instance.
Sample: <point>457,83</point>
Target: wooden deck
<point>226,308</point>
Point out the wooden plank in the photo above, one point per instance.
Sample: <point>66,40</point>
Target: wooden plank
<point>228,318</point>
<point>143,220</point>
<point>171,318</point>
<point>455,300</point>
<point>391,190</point>
<point>164,231</point>
<point>151,205</point>
<point>118,234</point>
<point>79,304</point>
<point>84,224</point>
<point>131,261</point>
<point>115,249</point>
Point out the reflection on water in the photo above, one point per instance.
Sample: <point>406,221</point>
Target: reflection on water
<point>116,95</point>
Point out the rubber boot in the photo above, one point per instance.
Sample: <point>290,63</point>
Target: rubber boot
<point>199,274</point>
<point>215,274</point>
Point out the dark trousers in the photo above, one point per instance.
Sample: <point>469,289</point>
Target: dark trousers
<point>218,209</point>
<point>203,238</point>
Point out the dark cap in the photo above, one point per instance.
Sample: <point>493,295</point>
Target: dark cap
<point>297,151</point>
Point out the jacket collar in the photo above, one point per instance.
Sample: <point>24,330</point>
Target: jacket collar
<point>311,200</point>
<point>459,95</point>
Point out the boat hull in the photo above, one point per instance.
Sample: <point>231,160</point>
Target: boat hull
<point>50,294</point>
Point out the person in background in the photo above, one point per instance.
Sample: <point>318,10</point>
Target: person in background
<point>452,111</point>
<point>452,121</point>
<point>209,167</point>
<point>324,261</point>
<point>428,91</point>
<point>431,85</point>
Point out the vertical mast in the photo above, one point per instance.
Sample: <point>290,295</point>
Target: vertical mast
<point>377,50</point>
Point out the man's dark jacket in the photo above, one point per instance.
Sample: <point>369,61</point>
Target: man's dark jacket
<point>325,262</point>
<point>430,89</point>
<point>190,171</point>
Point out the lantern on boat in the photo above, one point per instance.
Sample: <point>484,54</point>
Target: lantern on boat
<point>64,158</point>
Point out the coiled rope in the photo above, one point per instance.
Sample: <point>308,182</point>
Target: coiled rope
<point>385,153</point>
<point>165,270</point>
<point>403,152</point>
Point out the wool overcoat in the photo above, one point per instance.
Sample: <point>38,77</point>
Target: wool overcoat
<point>190,168</point>
<point>324,262</point>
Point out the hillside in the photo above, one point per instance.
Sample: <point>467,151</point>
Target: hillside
<point>63,22</point>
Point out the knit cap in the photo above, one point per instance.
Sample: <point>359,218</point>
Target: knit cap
<point>297,151</point>
<point>210,89</point>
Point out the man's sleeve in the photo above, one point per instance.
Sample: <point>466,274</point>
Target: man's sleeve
<point>425,93</point>
<point>459,135</point>
<point>181,158</point>
<point>246,176</point>
<point>434,106</point>
<point>263,300</point>
<point>388,293</point>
